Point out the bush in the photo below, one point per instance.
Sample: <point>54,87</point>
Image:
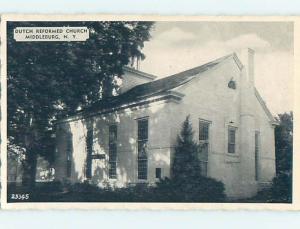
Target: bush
<point>279,192</point>
<point>185,185</point>
<point>282,188</point>
<point>82,187</point>
<point>202,189</point>
<point>198,189</point>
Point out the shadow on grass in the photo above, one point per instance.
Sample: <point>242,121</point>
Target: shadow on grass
<point>205,191</point>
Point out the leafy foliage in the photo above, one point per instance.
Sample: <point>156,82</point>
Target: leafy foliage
<point>281,189</point>
<point>186,162</point>
<point>282,183</point>
<point>284,143</point>
<point>194,189</point>
<point>186,183</point>
<point>279,192</point>
<point>48,80</point>
<point>84,192</point>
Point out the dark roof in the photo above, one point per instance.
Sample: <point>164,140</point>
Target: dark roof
<point>140,73</point>
<point>153,88</point>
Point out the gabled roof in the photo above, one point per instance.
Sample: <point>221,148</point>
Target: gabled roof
<point>154,88</point>
<point>139,73</point>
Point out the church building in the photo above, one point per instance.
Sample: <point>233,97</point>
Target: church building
<point>130,138</point>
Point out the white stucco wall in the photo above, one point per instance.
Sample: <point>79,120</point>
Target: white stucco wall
<point>77,130</point>
<point>206,97</point>
<point>132,78</point>
<point>126,121</point>
<point>267,168</point>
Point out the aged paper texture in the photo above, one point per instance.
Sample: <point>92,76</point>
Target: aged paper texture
<point>149,112</point>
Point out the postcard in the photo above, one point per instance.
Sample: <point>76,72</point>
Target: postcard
<point>149,112</point>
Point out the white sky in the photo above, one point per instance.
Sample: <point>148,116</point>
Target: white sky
<point>178,46</point>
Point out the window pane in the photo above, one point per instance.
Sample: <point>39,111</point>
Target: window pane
<point>143,129</point>
<point>112,170</point>
<point>142,169</point>
<point>112,152</point>
<point>256,139</point>
<point>232,136</point>
<point>231,140</point>
<point>89,139</point>
<point>231,148</point>
<point>89,149</point>
<point>158,173</point>
<point>203,130</point>
<point>142,148</point>
<point>112,134</point>
<point>203,154</point>
<point>204,146</point>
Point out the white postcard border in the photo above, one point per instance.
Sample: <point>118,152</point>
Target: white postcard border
<point>150,206</point>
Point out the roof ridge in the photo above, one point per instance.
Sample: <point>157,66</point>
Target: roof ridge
<point>156,86</point>
<point>185,71</point>
<point>202,65</point>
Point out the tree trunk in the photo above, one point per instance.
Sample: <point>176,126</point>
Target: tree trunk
<point>29,169</point>
<point>30,163</point>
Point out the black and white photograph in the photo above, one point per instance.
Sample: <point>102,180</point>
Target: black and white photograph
<point>149,111</point>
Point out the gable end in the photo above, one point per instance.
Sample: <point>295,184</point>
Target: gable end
<point>265,108</point>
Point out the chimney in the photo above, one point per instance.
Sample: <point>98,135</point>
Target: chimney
<point>247,124</point>
<point>247,58</point>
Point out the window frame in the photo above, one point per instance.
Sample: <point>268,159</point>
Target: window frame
<point>208,129</point>
<point>160,173</point>
<point>230,143</point>
<point>203,141</point>
<point>142,159</point>
<point>112,145</point>
<point>89,150</point>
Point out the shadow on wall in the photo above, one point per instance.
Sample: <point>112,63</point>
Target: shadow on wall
<point>97,159</point>
<point>64,160</point>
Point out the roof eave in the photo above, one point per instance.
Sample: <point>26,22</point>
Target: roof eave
<point>171,96</point>
<point>140,73</point>
<point>237,61</point>
<point>274,123</point>
<point>264,106</point>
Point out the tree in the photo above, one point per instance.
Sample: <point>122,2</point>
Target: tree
<point>186,183</point>
<point>48,80</point>
<point>281,189</point>
<point>284,143</point>
<point>186,162</point>
<point>282,183</point>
